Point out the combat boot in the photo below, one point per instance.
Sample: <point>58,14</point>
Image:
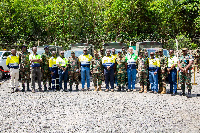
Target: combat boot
<point>45,88</point>
<point>70,88</point>
<point>100,88</point>
<point>183,91</point>
<point>23,88</point>
<point>160,90</point>
<point>189,94</point>
<point>95,88</point>
<point>119,88</point>
<point>76,87</point>
<point>28,89</point>
<point>123,89</point>
<point>145,89</point>
<point>142,89</point>
<point>164,90</point>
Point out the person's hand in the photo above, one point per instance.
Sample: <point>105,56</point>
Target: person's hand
<point>163,71</point>
<point>69,72</point>
<point>108,67</point>
<point>52,73</point>
<point>155,73</point>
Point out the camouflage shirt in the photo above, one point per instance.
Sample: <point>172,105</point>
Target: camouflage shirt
<point>73,64</point>
<point>163,62</point>
<point>142,64</point>
<point>24,59</point>
<point>184,60</point>
<point>120,63</point>
<point>96,65</point>
<point>45,60</point>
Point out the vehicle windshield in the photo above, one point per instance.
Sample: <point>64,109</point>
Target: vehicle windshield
<point>77,53</point>
<point>165,52</point>
<point>1,53</point>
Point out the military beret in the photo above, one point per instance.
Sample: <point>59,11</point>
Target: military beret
<point>141,51</point>
<point>123,47</point>
<point>107,50</point>
<point>72,52</point>
<point>24,45</point>
<point>119,51</point>
<point>184,49</point>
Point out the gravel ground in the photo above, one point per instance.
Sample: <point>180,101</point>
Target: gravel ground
<point>98,111</point>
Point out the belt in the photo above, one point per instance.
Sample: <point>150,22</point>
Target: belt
<point>85,66</point>
<point>14,68</point>
<point>152,70</point>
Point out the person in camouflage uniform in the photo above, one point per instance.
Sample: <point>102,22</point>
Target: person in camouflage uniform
<point>102,54</point>
<point>124,51</point>
<point>96,70</point>
<point>163,72</point>
<point>46,73</point>
<point>120,71</point>
<point>24,67</point>
<point>197,59</point>
<point>185,65</point>
<point>142,63</point>
<point>73,70</point>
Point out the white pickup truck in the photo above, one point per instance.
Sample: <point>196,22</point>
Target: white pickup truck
<point>3,68</point>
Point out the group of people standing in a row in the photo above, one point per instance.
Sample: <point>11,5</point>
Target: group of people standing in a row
<point>114,68</point>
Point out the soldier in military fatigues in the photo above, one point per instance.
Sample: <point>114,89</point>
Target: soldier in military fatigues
<point>24,67</point>
<point>163,72</point>
<point>185,65</point>
<point>73,70</point>
<point>102,54</point>
<point>197,59</point>
<point>97,68</point>
<point>46,73</point>
<point>142,63</point>
<point>120,71</point>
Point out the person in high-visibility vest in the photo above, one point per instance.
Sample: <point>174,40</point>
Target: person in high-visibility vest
<point>154,65</point>
<point>12,63</point>
<point>172,72</point>
<point>131,69</point>
<point>35,60</point>
<point>63,65</point>
<point>114,56</point>
<point>54,71</point>
<point>84,60</point>
<point>108,63</point>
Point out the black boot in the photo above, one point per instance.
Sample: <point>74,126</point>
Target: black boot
<point>70,88</point>
<point>23,88</point>
<point>119,88</point>
<point>189,93</point>
<point>76,87</point>
<point>123,89</point>
<point>183,90</point>
<point>28,89</point>
<point>49,86</point>
<point>45,88</point>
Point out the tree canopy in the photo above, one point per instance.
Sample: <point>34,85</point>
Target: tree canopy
<point>98,21</point>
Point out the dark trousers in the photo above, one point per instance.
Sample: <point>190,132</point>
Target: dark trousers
<point>55,79</point>
<point>109,77</point>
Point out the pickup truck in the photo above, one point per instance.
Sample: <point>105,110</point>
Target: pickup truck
<point>3,68</point>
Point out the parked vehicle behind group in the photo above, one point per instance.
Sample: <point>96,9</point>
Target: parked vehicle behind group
<point>4,70</point>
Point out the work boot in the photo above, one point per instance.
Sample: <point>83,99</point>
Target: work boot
<point>119,88</point>
<point>145,89</point>
<point>23,88</point>
<point>183,91</point>
<point>189,94</point>
<point>65,90</point>
<point>28,89</point>
<point>164,91</point>
<point>112,90</point>
<point>107,90</point>
<point>100,88</point>
<point>45,88</point>
<point>76,87</point>
<point>12,90</point>
<point>70,88</point>
<point>95,88</point>
<point>40,90</point>
<point>33,90</point>
<point>142,89</point>
<point>123,89</point>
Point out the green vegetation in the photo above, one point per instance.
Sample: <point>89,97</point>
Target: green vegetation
<point>95,21</point>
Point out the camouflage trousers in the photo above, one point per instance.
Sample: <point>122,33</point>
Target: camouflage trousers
<point>97,76</point>
<point>143,76</point>
<point>162,80</point>
<point>73,77</point>
<point>25,74</point>
<point>185,78</point>
<point>46,76</point>
<point>121,79</point>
